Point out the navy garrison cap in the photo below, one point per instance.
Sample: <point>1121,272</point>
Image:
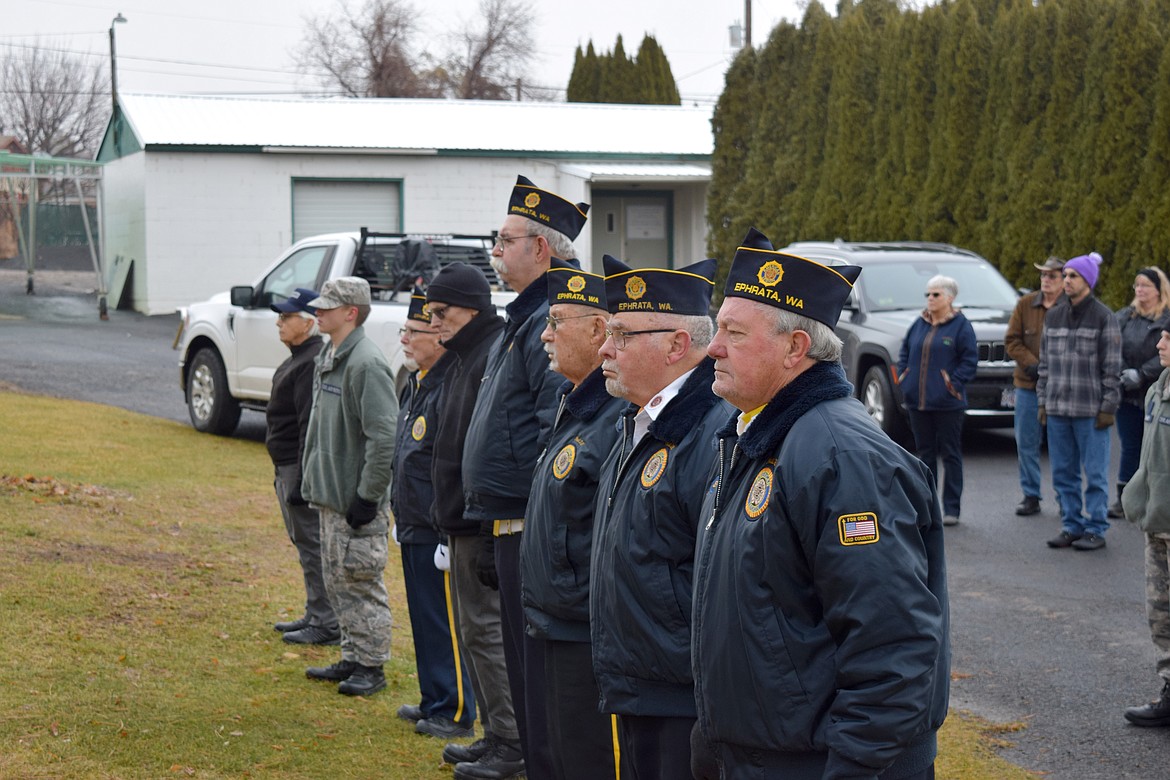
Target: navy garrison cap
<point>760,273</point>
<point>418,311</point>
<point>664,290</point>
<point>569,284</point>
<point>546,208</point>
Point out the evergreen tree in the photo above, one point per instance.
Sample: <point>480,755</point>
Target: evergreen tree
<point>655,79</point>
<point>585,80</point>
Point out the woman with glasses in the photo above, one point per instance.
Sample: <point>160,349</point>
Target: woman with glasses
<point>938,359</point>
<point>1141,322</point>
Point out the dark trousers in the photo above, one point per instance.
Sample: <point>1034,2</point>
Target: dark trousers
<point>1130,427</point>
<point>581,738</point>
<point>525,659</point>
<point>940,435</point>
<point>443,680</point>
<point>304,530</point>
<point>655,748</point>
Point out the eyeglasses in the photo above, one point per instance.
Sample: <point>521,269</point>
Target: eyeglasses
<point>285,316</point>
<point>504,240</point>
<point>621,337</point>
<point>1050,274</point>
<point>934,294</point>
<point>437,313</point>
<point>555,322</point>
<point>413,332</point>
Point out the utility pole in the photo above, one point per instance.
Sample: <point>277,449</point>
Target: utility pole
<point>114,80</point>
<point>747,24</point>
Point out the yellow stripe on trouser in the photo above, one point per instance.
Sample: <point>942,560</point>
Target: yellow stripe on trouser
<point>454,646</point>
<point>617,748</point>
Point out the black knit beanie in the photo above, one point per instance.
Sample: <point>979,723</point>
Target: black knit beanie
<point>460,284</point>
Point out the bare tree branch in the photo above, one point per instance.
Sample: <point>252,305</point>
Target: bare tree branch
<point>52,102</point>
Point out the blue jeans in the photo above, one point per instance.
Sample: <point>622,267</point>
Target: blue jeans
<point>1075,444</point>
<point>940,435</point>
<point>1130,423</point>
<point>1028,441</point>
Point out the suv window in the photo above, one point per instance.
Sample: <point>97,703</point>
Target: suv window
<point>900,285</point>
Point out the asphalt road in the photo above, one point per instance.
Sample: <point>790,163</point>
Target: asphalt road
<point>1053,639</point>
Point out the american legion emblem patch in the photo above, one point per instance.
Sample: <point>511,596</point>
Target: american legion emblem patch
<point>563,463</point>
<point>759,494</point>
<point>654,468</point>
<point>419,429</point>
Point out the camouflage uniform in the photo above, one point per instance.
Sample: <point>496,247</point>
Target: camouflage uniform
<point>1158,598</point>
<point>354,559</point>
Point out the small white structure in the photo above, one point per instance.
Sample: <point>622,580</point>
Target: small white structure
<point>203,192</point>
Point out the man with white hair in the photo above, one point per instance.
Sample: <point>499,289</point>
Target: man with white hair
<point>820,608</point>
<point>651,489</point>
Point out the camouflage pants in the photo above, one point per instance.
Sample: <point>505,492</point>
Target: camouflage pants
<point>1158,598</point>
<point>354,560</point>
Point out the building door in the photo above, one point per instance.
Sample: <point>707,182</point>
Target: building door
<point>332,206</point>
<point>634,226</point>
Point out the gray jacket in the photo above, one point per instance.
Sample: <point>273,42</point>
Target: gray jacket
<point>1146,498</point>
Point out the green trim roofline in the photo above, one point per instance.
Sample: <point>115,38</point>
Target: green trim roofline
<point>128,148</point>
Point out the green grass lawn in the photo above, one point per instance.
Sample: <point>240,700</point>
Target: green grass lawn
<point>142,565</point>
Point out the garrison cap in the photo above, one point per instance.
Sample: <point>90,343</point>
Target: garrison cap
<point>760,273</point>
<point>298,301</point>
<point>418,311</point>
<point>569,284</point>
<point>667,291</point>
<point>546,208</point>
<point>346,291</point>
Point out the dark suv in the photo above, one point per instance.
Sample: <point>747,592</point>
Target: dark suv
<point>885,301</point>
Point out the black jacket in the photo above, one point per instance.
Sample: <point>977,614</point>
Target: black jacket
<point>821,615</point>
<point>290,403</point>
<point>557,542</point>
<point>413,493</point>
<point>514,413</point>
<point>643,553</point>
<point>470,347</point>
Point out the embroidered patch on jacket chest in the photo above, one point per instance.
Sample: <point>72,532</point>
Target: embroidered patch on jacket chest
<point>654,468</point>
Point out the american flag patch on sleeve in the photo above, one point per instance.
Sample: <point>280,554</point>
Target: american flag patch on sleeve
<point>860,528</point>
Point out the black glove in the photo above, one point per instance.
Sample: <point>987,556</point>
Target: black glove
<point>1032,371</point>
<point>485,560</point>
<point>294,497</point>
<point>361,512</point>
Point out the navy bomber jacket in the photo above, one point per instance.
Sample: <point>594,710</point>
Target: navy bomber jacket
<point>418,418</point>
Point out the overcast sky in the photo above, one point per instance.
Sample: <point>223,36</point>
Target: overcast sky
<point>245,46</point>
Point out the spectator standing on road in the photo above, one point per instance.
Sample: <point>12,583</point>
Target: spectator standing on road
<point>558,535</point>
<point>1022,342</point>
<point>446,708</point>
<point>939,357</point>
<point>509,428</point>
<point>820,615</point>
<point>1140,323</point>
<point>287,414</point>
<point>460,302</point>
<point>349,461</point>
<point>1146,499</point>
<point>652,487</point>
<point>1077,394</point>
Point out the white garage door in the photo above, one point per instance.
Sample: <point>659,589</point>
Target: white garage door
<point>339,206</point>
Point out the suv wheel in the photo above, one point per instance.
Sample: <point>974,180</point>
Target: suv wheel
<point>211,408</point>
<point>878,399</point>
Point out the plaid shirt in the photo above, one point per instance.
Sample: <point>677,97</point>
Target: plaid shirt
<point>1080,360</point>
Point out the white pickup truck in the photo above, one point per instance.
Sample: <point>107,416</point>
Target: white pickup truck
<point>229,347</point>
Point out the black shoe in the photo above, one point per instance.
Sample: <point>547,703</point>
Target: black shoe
<point>334,673</point>
<point>411,712</point>
<point>365,681</point>
<point>1115,511</point>
<point>459,754</point>
<point>443,728</point>
<point>504,760</point>
<point>1029,506</point>
<point>1089,542</point>
<point>313,635</point>
<point>1156,713</point>
<point>293,625</point>
<point>1065,539</point>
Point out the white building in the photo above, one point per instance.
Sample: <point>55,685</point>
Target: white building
<point>203,192</point>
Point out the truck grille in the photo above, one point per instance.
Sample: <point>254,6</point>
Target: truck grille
<point>992,352</point>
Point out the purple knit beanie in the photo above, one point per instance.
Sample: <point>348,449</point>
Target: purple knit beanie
<point>1086,266</point>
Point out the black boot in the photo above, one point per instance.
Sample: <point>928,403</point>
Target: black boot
<point>1156,713</point>
<point>1115,511</point>
<point>455,753</point>
<point>365,681</point>
<point>334,673</point>
<point>502,760</point>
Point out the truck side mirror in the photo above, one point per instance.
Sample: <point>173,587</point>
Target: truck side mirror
<point>242,296</point>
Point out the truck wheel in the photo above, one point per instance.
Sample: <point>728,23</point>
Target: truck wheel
<point>878,399</point>
<point>211,407</point>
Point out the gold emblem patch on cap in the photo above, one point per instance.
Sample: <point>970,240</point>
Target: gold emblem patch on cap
<point>576,284</point>
<point>635,287</point>
<point>760,493</point>
<point>770,273</point>
<point>563,463</point>
<point>860,528</point>
<point>419,429</point>
<point>654,468</point>
<point>426,310</point>
<point>532,200</point>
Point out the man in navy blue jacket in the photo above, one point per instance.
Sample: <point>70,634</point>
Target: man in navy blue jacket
<point>652,488</point>
<point>820,610</point>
